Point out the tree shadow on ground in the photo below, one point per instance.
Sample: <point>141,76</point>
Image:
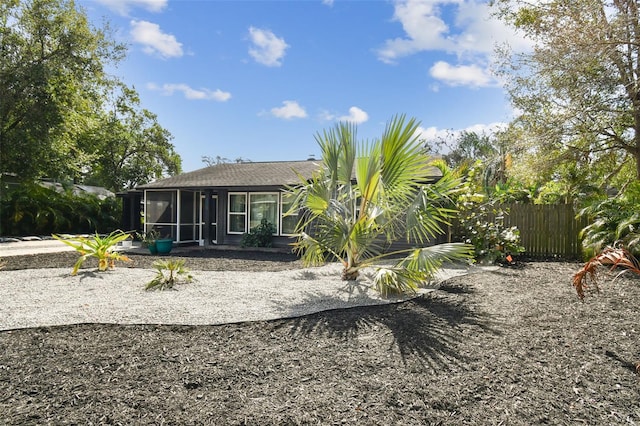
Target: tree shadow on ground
<point>426,330</point>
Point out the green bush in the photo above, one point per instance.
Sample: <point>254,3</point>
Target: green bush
<point>260,236</point>
<point>31,209</point>
<point>615,222</point>
<point>482,225</point>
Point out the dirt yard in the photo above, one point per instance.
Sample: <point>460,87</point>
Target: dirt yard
<point>514,346</point>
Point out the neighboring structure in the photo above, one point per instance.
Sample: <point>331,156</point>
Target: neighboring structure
<point>219,203</point>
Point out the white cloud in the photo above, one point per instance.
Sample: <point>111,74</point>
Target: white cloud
<point>474,30</point>
<point>154,41</point>
<point>424,30</point>
<point>124,6</point>
<point>356,116</point>
<point>289,110</point>
<point>327,2</point>
<point>461,75</point>
<point>190,93</point>
<point>267,49</point>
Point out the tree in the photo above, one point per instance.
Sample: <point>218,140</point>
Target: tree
<point>467,148</point>
<point>61,115</point>
<point>369,194</point>
<point>488,154</point>
<point>212,161</point>
<point>579,88</point>
<point>51,72</point>
<point>127,146</point>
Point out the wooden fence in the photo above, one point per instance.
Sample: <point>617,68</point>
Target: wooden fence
<point>547,230</point>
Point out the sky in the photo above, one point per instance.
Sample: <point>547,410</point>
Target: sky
<point>258,80</point>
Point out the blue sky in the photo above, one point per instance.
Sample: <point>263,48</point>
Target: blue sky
<point>258,79</point>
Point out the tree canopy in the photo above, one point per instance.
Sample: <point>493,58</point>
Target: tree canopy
<point>578,89</point>
<point>55,96</point>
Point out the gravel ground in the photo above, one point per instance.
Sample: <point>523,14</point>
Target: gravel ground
<point>231,287</point>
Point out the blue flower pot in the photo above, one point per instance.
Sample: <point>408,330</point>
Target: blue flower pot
<point>164,246</point>
<point>153,249</point>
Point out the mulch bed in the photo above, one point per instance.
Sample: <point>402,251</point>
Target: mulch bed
<point>513,346</point>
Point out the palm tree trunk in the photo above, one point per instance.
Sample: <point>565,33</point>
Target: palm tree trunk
<point>349,274</point>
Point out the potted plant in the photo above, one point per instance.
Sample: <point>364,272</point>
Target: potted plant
<point>164,246</point>
<point>149,239</point>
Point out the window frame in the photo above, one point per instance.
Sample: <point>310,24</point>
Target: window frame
<point>230,213</point>
<point>278,211</point>
<point>282,215</point>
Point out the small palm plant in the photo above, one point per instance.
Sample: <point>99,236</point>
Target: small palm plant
<point>169,273</point>
<point>96,246</point>
<point>369,195</point>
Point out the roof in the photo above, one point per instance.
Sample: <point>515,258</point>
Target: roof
<point>275,173</point>
<point>250,174</point>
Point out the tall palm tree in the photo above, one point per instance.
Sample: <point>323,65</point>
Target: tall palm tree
<point>369,194</point>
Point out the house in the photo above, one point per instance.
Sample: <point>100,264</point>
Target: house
<point>215,205</point>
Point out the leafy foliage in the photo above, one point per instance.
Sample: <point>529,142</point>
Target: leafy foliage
<point>148,238</point>
<point>614,257</point>
<point>259,236</point>
<point>578,88</point>
<point>52,71</point>
<point>98,247</point>
<point>482,226</point>
<point>127,146</point>
<point>30,209</point>
<point>614,222</point>
<point>62,116</point>
<point>481,220</point>
<point>370,194</point>
<point>169,273</point>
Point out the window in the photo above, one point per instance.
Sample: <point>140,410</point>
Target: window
<point>246,211</point>
<point>237,223</point>
<point>160,213</point>
<point>189,215</point>
<point>289,221</point>
<point>263,206</point>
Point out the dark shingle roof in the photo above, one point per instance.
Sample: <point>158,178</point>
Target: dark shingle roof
<point>274,173</point>
<point>227,175</point>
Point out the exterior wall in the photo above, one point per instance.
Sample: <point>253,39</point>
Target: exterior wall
<point>131,207</point>
<point>208,234</point>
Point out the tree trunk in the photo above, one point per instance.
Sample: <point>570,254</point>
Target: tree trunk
<point>349,274</point>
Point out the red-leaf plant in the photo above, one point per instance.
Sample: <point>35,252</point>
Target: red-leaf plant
<point>610,256</point>
<point>615,257</point>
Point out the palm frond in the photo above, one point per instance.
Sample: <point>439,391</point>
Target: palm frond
<point>419,267</point>
<point>611,256</point>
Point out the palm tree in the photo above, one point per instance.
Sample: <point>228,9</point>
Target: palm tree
<point>368,195</point>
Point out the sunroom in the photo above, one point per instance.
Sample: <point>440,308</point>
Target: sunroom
<point>216,205</point>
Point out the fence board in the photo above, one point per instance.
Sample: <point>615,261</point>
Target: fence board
<point>546,230</point>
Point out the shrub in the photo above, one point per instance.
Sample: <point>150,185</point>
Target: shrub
<point>260,236</point>
<point>614,222</point>
<point>169,272</point>
<point>482,226</point>
<point>29,209</point>
<point>96,246</point>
